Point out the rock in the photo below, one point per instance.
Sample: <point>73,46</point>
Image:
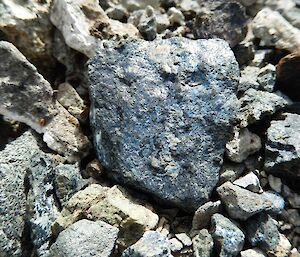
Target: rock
<point>203,214</point>
<point>258,104</point>
<point>287,76</point>
<point>117,12</point>
<point>70,99</point>
<point>26,24</point>
<point>267,77</point>
<point>93,169</point>
<point>262,231</point>
<point>283,146</point>
<point>250,182</point>
<point>274,30</point>
<point>133,5</point>
<point>228,238</point>
<point>176,16</point>
<point>85,238</point>
<point>152,244</point>
<point>221,19</point>
<point>41,202</point>
<point>249,78</point>
<point>112,205</point>
<point>172,100</point>
<point>184,238</point>
<point>262,58</point>
<point>67,182</point>
<point>242,145</point>
<point>230,172</point>
<point>242,204</point>
<point>162,22</point>
<point>244,52</point>
<point>175,245</point>
<point>292,197</point>
<point>27,97</point>
<point>147,24</point>
<point>275,183</point>
<point>255,252</point>
<point>203,244</point>
<point>14,162</point>
<point>292,16</point>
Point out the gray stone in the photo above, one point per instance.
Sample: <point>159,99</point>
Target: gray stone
<point>152,244</point>
<point>41,202</point>
<point>262,231</point>
<point>203,214</point>
<point>68,181</point>
<point>250,181</point>
<point>243,144</point>
<point>14,162</point>
<point>147,24</point>
<point>231,171</point>
<point>184,238</point>
<point>249,78</point>
<point>85,238</point>
<point>224,19</point>
<point>175,245</point>
<point>255,252</point>
<point>283,146</point>
<point>165,125</point>
<point>228,238</point>
<point>203,244</point>
<point>275,183</point>
<point>244,52</point>
<point>27,97</point>
<point>255,105</point>
<point>267,77</point>
<point>241,203</point>
<point>176,16</point>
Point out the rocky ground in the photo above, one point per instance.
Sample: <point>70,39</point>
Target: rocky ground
<point>149,128</point>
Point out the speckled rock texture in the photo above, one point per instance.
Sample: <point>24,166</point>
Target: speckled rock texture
<point>162,113</point>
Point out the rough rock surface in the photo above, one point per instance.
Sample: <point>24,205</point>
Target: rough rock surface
<point>27,97</point>
<point>228,238</point>
<point>112,205</point>
<point>267,77</point>
<point>241,203</point>
<point>224,19</point>
<point>243,144</point>
<point>283,146</point>
<point>250,181</point>
<point>274,30</point>
<point>255,252</point>
<point>171,105</point>
<point>249,78</point>
<point>14,162</point>
<point>85,238</point>
<point>255,105</point>
<point>203,244</point>
<point>152,244</point>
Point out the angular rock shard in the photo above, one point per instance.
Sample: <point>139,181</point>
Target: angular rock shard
<point>162,113</point>
<point>27,97</point>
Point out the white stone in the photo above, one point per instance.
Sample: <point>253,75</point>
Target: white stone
<point>255,252</point>
<point>184,238</point>
<point>250,182</point>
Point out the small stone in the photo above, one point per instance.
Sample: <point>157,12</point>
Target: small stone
<point>267,77</point>
<point>178,97</point>
<point>203,244</point>
<point>294,253</point>
<point>117,12</point>
<point>162,22</point>
<point>249,78</point>
<point>244,52</point>
<point>94,169</point>
<point>275,183</point>
<point>70,99</point>
<point>262,58</point>
<point>241,203</point>
<point>250,182</point>
<point>258,104</point>
<point>231,171</point>
<point>147,24</point>
<point>228,238</point>
<point>85,238</point>
<point>274,30</point>
<point>175,245</point>
<point>242,145</point>
<point>27,97</point>
<point>133,5</point>
<point>176,16</point>
<point>184,238</point>
<point>203,214</point>
<point>255,252</point>
<point>283,146</point>
<point>151,244</point>
<point>225,19</point>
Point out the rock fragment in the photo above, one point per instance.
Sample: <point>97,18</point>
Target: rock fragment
<point>256,104</point>
<point>231,171</point>
<point>184,238</point>
<point>267,77</point>
<point>283,146</point>
<point>151,244</point>
<point>14,162</point>
<point>274,30</point>
<point>112,205</point>
<point>203,214</point>
<point>275,183</point>
<point>249,78</point>
<point>27,97</point>
<point>250,182</point>
<point>159,115</point>
<point>242,145</point>
<point>221,19</point>
<point>203,244</point>
<point>242,204</point>
<point>255,252</point>
<point>85,238</point>
<point>228,238</point>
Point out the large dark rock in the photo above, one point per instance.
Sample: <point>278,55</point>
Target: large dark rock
<point>162,113</point>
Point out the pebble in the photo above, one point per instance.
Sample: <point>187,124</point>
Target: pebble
<point>267,77</point>
<point>275,183</point>
<point>255,252</point>
<point>175,245</point>
<point>203,244</point>
<point>184,238</point>
<point>250,181</point>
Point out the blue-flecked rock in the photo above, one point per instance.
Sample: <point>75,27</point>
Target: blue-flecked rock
<point>162,113</point>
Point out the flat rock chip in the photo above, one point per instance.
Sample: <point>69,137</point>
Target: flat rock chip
<point>162,113</point>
